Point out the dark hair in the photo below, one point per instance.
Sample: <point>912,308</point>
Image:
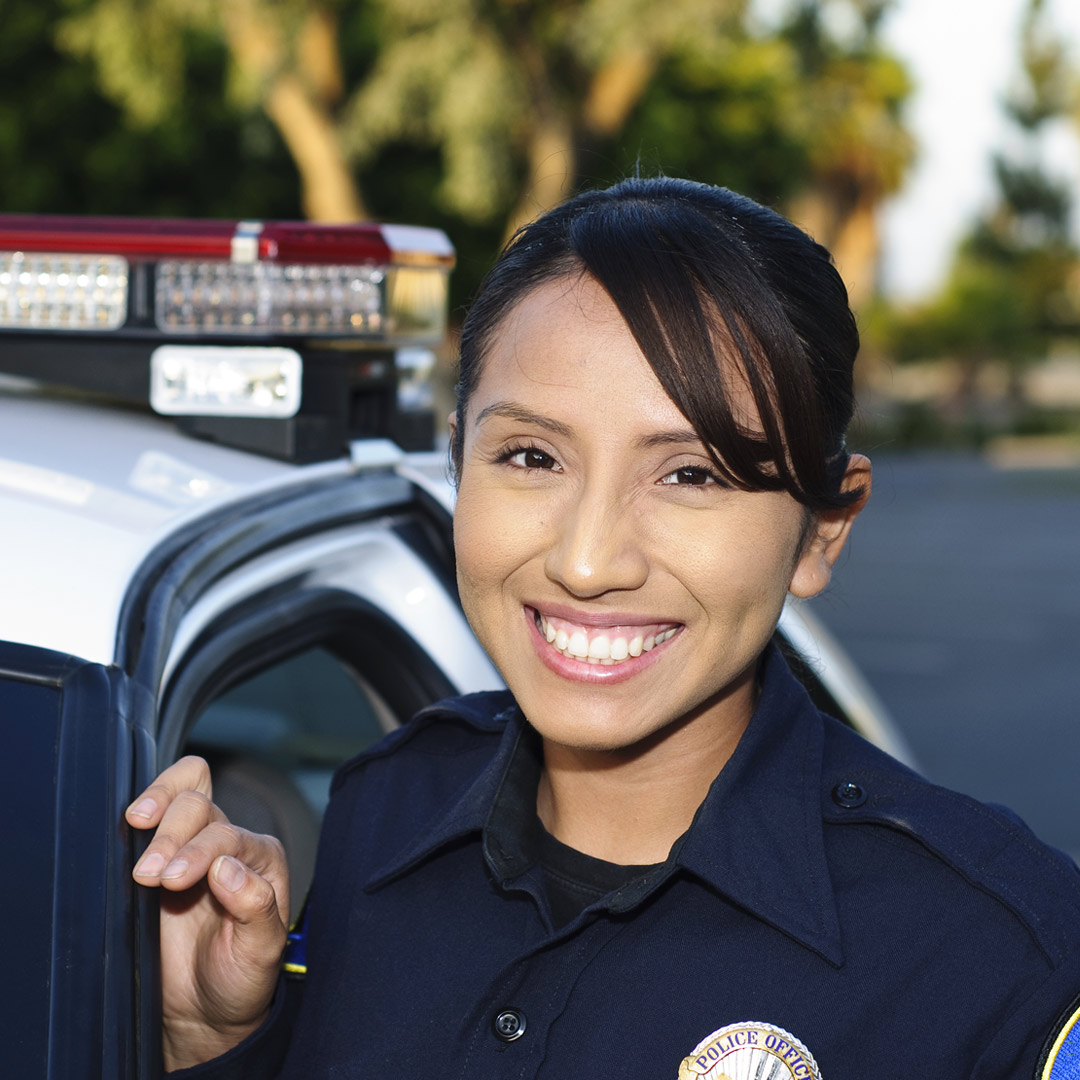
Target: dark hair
<point>701,273</point>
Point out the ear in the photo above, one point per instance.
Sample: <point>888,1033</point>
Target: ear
<point>451,422</point>
<point>829,532</point>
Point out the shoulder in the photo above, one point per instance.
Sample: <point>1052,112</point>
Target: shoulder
<point>459,728</point>
<point>987,848</point>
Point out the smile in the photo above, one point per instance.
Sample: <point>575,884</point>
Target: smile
<point>608,646</point>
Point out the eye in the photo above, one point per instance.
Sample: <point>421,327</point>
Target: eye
<point>692,475</point>
<point>528,457</point>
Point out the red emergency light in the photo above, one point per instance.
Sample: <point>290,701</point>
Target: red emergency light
<point>318,330</point>
<point>382,282</point>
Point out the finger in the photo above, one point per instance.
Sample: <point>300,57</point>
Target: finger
<point>191,863</point>
<point>188,774</point>
<point>259,908</point>
<point>187,815</point>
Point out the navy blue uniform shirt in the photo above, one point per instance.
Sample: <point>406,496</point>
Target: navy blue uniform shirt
<point>826,904</point>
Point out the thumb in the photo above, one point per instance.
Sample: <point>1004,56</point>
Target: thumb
<point>259,927</point>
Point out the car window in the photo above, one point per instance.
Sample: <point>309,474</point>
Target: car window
<point>274,740</point>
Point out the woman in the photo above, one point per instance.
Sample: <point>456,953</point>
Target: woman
<point>656,859</point>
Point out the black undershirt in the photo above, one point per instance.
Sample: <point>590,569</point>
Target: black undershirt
<point>574,880</point>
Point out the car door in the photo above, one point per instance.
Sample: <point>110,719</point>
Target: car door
<point>283,637</point>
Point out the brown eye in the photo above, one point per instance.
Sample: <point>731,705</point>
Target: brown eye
<point>530,458</point>
<point>537,459</point>
<point>689,475</point>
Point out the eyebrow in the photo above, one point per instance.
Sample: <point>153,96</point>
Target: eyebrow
<point>512,411</point>
<point>676,437</point>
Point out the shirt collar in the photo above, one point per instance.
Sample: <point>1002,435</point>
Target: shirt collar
<point>756,839</point>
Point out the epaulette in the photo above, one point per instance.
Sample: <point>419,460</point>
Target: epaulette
<point>485,711</point>
<point>990,847</point>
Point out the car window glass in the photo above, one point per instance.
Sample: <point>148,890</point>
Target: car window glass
<point>274,740</point>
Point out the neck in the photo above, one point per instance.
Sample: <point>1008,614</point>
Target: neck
<point>629,805</point>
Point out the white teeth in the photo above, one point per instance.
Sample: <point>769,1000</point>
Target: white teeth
<point>602,649</point>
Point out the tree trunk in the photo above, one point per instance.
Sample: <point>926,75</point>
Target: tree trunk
<point>615,89</point>
<point>299,104</point>
<point>552,171</point>
<point>328,189</point>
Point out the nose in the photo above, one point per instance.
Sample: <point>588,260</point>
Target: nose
<point>596,547</point>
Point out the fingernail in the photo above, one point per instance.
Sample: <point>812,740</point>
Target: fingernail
<point>144,809</point>
<point>177,868</point>
<point>151,866</point>
<point>229,873</point>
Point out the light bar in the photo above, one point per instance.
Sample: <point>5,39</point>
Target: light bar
<point>62,291</point>
<point>240,279</point>
<point>225,380</point>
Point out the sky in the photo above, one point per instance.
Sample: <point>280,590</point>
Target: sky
<point>962,55</point>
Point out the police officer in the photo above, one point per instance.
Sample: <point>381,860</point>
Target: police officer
<point>656,858</point>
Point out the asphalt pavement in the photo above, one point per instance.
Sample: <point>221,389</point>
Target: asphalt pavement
<point>959,599</point>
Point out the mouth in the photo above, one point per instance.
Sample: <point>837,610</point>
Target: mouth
<point>598,645</point>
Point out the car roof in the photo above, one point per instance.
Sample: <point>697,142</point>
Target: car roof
<point>87,491</point>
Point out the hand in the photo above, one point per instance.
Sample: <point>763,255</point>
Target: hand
<point>224,908</point>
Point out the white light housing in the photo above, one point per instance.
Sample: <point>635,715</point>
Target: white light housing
<point>62,292</point>
<point>208,380</point>
<point>416,378</point>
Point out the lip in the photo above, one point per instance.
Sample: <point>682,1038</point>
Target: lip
<point>595,674</point>
<point>598,618</point>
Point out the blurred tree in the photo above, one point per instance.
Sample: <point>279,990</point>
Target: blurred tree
<point>64,148</point>
<point>858,148</point>
<point>475,115</point>
<point>1012,288</point>
<point>283,57</point>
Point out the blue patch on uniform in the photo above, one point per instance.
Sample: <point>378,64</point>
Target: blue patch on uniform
<point>294,960</point>
<point>1062,1060</point>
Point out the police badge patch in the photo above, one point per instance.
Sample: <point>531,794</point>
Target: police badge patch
<point>1060,1059</point>
<point>750,1051</point>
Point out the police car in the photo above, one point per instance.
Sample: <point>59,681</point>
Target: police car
<point>224,532</point>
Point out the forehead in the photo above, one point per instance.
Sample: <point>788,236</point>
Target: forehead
<point>566,340</point>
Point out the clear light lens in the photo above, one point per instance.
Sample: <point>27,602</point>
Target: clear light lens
<point>416,379</point>
<point>62,292</point>
<point>192,380</point>
<point>400,303</point>
<point>268,298</point>
<point>416,303</point>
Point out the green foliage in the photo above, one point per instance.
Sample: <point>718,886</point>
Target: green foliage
<point>161,106</point>
<point>1009,293</point>
<point>65,148</point>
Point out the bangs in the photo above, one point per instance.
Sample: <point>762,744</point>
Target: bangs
<point>707,322</point>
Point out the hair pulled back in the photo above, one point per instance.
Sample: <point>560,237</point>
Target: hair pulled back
<point>714,288</point>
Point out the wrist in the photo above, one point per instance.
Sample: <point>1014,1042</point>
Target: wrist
<point>185,1044</point>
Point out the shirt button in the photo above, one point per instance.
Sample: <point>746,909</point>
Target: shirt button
<point>848,795</point>
<point>509,1024</point>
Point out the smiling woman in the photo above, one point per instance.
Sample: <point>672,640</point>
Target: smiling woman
<point>653,856</point>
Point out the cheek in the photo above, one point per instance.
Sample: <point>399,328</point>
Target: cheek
<point>491,541</point>
<point>738,569</point>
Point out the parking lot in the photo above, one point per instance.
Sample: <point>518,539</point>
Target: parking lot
<point>959,599</point>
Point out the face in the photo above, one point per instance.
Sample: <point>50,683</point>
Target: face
<point>622,589</point>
